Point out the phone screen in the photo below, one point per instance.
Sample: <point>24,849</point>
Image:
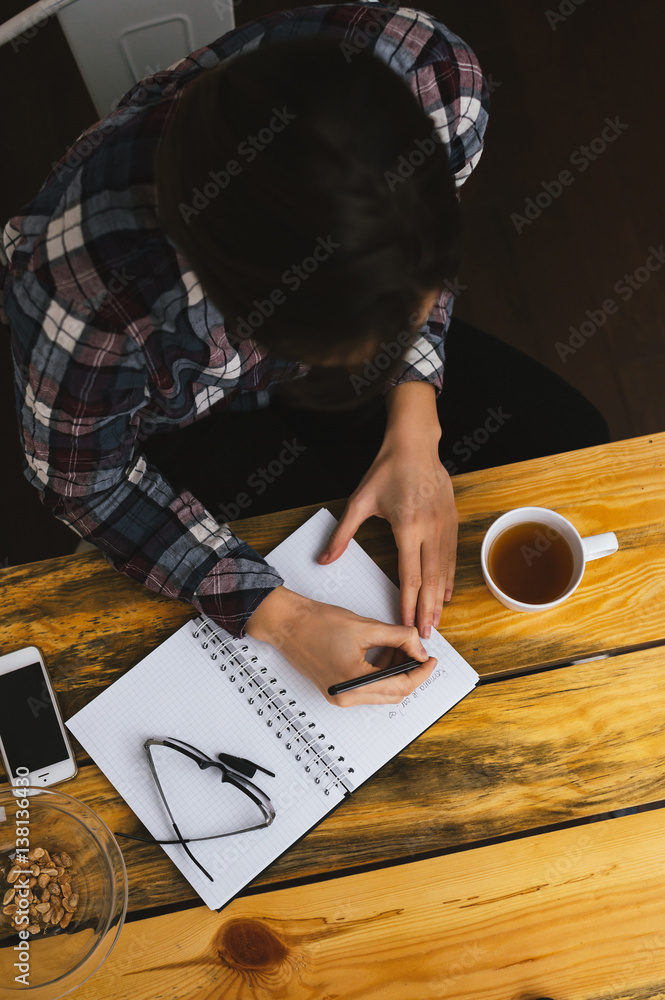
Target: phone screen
<point>29,726</point>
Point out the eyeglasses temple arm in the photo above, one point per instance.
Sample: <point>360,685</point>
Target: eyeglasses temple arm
<point>256,795</point>
<point>153,769</point>
<point>243,766</point>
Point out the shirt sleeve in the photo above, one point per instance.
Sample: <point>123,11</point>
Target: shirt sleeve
<point>449,85</point>
<point>81,398</point>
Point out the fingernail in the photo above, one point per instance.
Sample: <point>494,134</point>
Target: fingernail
<point>324,557</point>
<point>448,594</point>
<point>409,622</point>
<point>427,631</point>
<point>423,651</point>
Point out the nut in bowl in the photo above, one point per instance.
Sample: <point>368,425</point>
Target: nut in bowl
<point>64,891</point>
<point>41,891</point>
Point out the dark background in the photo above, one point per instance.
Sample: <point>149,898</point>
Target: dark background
<point>552,87</point>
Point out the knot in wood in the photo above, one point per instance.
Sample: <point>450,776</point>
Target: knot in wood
<point>249,944</point>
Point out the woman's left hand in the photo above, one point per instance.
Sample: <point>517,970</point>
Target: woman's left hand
<point>409,487</point>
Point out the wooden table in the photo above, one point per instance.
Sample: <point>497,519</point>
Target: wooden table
<point>514,851</point>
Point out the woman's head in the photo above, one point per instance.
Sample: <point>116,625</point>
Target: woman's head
<point>307,192</point>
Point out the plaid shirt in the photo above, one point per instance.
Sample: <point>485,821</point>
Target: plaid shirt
<point>113,338</point>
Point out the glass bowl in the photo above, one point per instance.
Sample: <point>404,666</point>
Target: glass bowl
<point>89,884</point>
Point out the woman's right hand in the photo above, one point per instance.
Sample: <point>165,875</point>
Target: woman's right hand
<point>328,644</point>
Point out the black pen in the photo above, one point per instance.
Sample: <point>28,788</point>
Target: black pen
<point>377,675</point>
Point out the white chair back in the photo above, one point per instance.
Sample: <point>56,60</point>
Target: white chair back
<point>118,43</point>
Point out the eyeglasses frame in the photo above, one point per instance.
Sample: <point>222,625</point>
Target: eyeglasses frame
<point>235,770</point>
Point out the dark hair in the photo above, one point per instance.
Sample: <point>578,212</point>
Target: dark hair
<point>294,155</point>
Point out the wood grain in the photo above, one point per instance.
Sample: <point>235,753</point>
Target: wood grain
<point>620,603</point>
<point>90,622</point>
<point>575,913</point>
<point>93,623</point>
<point>515,755</point>
<point>619,487</point>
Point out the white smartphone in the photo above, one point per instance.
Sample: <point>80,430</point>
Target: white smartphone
<point>33,739</point>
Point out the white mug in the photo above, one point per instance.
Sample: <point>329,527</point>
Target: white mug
<point>583,549</point>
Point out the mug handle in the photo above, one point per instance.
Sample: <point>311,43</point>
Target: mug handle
<point>597,546</point>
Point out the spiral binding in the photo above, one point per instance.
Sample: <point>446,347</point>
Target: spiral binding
<point>278,711</point>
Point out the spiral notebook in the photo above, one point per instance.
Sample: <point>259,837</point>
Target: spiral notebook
<point>242,697</point>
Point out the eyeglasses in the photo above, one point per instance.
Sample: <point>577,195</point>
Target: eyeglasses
<point>235,771</point>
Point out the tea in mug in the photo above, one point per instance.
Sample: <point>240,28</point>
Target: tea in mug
<point>531,562</point>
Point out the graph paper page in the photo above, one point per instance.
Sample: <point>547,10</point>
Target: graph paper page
<point>178,691</point>
<point>370,734</point>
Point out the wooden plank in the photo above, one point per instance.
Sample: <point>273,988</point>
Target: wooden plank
<point>93,623</point>
<point>576,913</point>
<point>90,622</point>
<point>516,755</point>
<point>618,487</point>
<point>620,603</point>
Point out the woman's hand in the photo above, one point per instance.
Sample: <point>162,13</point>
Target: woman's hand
<point>328,644</point>
<point>409,487</point>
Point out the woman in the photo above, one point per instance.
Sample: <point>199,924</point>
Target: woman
<point>279,206</point>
